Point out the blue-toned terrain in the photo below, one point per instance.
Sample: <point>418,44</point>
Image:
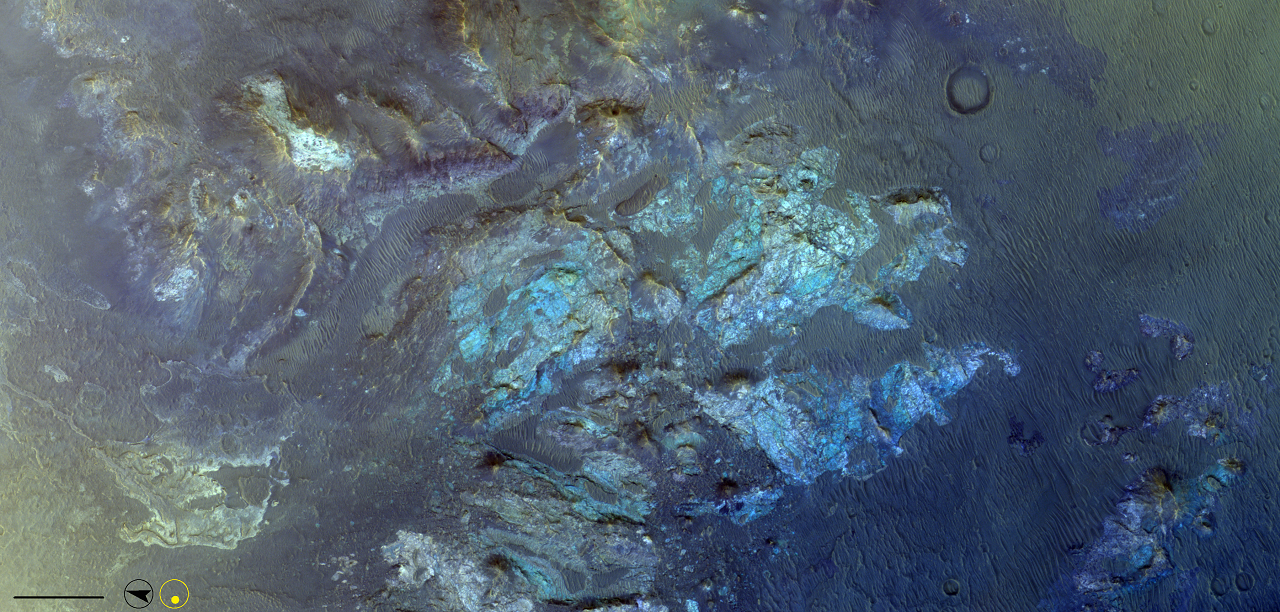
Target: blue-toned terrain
<point>624,306</point>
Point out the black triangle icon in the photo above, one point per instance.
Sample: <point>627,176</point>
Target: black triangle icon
<point>142,594</point>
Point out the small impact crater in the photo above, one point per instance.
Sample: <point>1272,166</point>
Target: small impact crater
<point>968,90</point>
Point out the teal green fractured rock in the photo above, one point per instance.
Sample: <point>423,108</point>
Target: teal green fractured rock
<point>852,425</point>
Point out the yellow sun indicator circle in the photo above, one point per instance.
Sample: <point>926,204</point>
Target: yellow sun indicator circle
<point>174,599</point>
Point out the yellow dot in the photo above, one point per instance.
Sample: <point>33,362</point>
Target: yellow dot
<point>175,599</point>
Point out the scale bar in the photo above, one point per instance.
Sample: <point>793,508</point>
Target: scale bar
<point>59,597</point>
